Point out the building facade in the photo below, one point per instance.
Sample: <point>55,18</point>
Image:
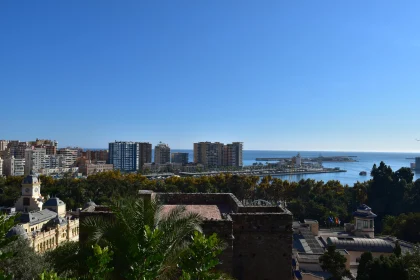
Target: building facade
<point>3,145</point>
<point>35,159</point>
<point>93,168</point>
<point>179,158</point>
<point>145,153</point>
<point>217,154</point>
<point>96,155</point>
<point>16,149</point>
<point>44,225</point>
<point>232,155</point>
<point>162,153</point>
<point>14,166</point>
<point>70,155</point>
<point>124,156</point>
<point>1,167</point>
<point>209,154</point>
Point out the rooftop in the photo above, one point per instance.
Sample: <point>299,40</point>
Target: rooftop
<point>361,244</point>
<point>208,212</point>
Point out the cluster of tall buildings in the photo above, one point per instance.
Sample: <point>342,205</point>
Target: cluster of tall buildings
<point>135,156</point>
<point>18,158</point>
<point>41,156</point>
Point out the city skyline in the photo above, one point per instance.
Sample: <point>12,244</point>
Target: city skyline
<point>293,76</point>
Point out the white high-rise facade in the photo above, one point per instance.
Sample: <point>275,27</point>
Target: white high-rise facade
<point>70,156</point>
<point>14,166</point>
<point>35,159</point>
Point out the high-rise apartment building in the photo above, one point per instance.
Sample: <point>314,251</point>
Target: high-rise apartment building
<point>145,153</point>
<point>1,167</point>
<point>232,154</point>
<point>49,145</point>
<point>35,159</point>
<point>3,145</point>
<point>125,156</point>
<point>162,153</point>
<point>179,158</point>
<point>70,155</point>
<point>208,154</point>
<point>54,161</point>
<point>96,155</point>
<point>218,154</point>
<point>16,149</point>
<point>14,166</point>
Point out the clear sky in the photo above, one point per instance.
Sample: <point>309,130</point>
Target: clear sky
<point>277,75</point>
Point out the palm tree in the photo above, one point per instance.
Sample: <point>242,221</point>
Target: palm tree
<point>146,241</point>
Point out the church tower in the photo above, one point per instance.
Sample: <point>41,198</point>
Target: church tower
<point>31,199</point>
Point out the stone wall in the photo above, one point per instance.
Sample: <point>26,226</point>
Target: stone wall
<point>200,198</point>
<point>262,248</point>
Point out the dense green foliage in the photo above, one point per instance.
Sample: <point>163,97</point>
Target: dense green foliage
<point>396,266</point>
<point>404,226</point>
<point>388,193</point>
<point>334,262</point>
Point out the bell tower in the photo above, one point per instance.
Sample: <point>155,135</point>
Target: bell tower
<point>31,199</point>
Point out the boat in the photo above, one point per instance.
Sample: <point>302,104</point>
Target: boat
<point>362,173</point>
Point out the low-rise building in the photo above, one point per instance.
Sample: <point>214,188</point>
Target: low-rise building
<point>93,168</point>
<point>310,242</point>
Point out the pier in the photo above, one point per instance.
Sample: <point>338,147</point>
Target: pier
<point>315,159</point>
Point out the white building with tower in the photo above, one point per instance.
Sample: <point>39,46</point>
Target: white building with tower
<point>45,224</point>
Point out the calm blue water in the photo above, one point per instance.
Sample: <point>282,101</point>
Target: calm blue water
<point>365,163</point>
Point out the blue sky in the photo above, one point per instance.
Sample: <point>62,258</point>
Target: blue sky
<point>277,75</point>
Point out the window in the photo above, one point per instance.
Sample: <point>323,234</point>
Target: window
<point>365,224</point>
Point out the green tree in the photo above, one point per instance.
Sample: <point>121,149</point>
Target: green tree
<point>146,241</point>
<point>335,263</point>
<point>199,260</point>
<point>24,263</point>
<point>98,263</point>
<point>365,259</point>
<point>397,249</point>
<point>6,223</point>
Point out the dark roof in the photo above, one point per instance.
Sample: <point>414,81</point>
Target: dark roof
<point>30,179</point>
<point>54,201</point>
<point>364,211</point>
<point>16,230</point>
<point>37,217</point>
<point>57,221</point>
<point>361,244</point>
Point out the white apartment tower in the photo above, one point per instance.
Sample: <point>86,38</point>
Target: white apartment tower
<point>14,166</point>
<point>70,155</point>
<point>35,159</point>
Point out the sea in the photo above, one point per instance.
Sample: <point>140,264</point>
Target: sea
<point>364,162</point>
